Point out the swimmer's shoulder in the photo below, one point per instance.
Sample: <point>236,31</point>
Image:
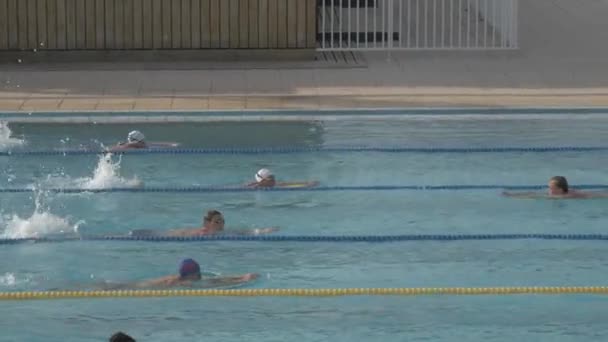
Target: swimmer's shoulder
<point>579,194</point>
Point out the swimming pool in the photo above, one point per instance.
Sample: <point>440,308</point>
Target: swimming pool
<point>309,265</point>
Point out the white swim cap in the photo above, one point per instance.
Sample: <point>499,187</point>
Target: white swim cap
<point>135,136</point>
<point>263,174</point>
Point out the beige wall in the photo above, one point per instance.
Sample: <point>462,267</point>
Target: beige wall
<point>157,24</point>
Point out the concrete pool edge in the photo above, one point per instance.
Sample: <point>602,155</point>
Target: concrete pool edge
<point>310,98</point>
<point>161,116</point>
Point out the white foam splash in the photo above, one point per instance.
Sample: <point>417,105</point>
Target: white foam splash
<point>6,142</point>
<point>8,279</point>
<point>11,280</point>
<point>106,175</point>
<point>40,224</point>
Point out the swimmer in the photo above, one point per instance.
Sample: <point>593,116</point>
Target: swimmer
<point>557,189</point>
<point>121,337</point>
<point>189,275</point>
<point>264,178</point>
<point>213,224</point>
<point>135,140</point>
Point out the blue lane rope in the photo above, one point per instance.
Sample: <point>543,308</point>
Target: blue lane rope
<point>287,149</point>
<point>321,238</point>
<point>361,238</point>
<point>207,189</point>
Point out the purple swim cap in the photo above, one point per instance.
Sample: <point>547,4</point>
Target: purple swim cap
<point>189,267</point>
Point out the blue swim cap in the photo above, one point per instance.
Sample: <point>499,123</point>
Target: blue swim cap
<point>189,267</point>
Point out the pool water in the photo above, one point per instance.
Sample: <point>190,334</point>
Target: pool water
<point>74,264</point>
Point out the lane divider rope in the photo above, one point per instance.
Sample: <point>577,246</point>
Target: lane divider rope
<point>319,238</point>
<point>288,149</point>
<point>330,292</point>
<point>203,189</point>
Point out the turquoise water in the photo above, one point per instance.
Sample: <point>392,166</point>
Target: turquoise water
<point>313,265</point>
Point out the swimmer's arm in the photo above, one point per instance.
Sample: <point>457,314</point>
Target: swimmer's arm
<point>233,280</point>
<point>594,194</point>
<point>119,147</point>
<point>125,286</point>
<point>523,194</point>
<point>183,232</point>
<point>124,146</point>
<point>163,282</point>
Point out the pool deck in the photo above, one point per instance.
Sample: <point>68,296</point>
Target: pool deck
<point>562,61</point>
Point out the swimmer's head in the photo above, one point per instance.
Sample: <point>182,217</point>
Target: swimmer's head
<point>214,220</point>
<point>558,185</point>
<point>189,269</point>
<point>263,174</point>
<point>135,136</point>
<point>121,337</point>
<point>265,177</point>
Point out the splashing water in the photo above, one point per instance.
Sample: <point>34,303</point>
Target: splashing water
<point>6,142</point>
<point>8,279</point>
<point>42,223</point>
<point>13,280</point>
<point>107,175</point>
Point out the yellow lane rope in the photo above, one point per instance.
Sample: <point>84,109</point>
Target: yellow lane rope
<point>332,292</point>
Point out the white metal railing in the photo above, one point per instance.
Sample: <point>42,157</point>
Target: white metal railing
<point>417,25</point>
